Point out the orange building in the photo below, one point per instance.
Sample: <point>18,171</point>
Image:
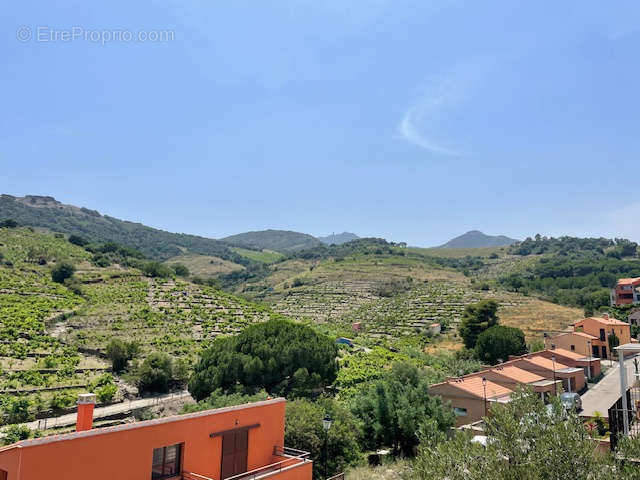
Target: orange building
<point>470,396</point>
<point>591,336</point>
<point>572,378</point>
<point>626,292</point>
<point>226,443</point>
<point>590,365</point>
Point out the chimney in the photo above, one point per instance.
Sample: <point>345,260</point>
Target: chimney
<point>86,402</point>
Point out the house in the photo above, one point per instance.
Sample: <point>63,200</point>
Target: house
<point>435,329</point>
<point>470,396</point>
<point>590,336</point>
<point>626,292</point>
<point>552,369</point>
<point>590,365</point>
<point>219,444</point>
<point>512,377</point>
<point>634,318</point>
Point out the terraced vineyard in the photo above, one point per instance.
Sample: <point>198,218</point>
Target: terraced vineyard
<point>52,340</point>
<point>35,364</point>
<point>176,317</point>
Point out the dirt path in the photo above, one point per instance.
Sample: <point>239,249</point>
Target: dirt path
<point>101,412</point>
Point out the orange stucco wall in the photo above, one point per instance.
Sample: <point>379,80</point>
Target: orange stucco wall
<point>125,453</point>
<point>592,327</point>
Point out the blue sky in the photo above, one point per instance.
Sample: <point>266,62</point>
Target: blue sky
<point>410,120</point>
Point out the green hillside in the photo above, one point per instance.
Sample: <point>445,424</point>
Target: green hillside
<point>47,212</point>
<point>53,336</point>
<point>277,240</point>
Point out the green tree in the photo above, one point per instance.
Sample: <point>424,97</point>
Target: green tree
<point>476,318</point>
<point>498,342</point>
<point>304,431</point>
<point>156,269</point>
<point>15,433</point>
<point>280,356</point>
<point>613,341</point>
<point>78,240</point>
<point>19,410</point>
<point>527,442</point>
<point>62,271</point>
<point>8,223</point>
<point>120,352</point>
<point>392,411</point>
<point>180,269</point>
<point>156,373</point>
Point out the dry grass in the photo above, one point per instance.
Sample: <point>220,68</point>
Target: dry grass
<point>536,316</point>
<point>459,252</point>
<point>205,265</point>
<point>391,471</point>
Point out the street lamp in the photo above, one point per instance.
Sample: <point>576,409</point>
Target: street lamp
<point>589,352</point>
<point>555,388</point>
<point>484,389</point>
<point>326,425</point>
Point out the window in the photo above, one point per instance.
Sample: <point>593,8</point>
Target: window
<point>166,462</point>
<point>460,412</point>
<point>573,348</point>
<point>602,335</point>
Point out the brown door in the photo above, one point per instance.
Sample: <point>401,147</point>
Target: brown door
<point>235,446</point>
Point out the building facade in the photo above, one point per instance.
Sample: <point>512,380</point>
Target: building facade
<point>626,292</point>
<point>216,444</point>
<point>590,336</point>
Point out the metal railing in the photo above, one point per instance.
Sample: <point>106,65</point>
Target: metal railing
<point>339,476</point>
<point>293,456</point>
<point>193,476</point>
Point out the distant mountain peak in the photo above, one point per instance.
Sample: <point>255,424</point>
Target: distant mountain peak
<point>338,238</point>
<point>478,239</point>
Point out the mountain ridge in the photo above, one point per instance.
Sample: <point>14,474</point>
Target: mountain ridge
<point>478,239</point>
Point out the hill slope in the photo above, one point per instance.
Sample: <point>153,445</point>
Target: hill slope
<point>477,239</point>
<point>276,240</point>
<point>47,212</point>
<point>339,238</point>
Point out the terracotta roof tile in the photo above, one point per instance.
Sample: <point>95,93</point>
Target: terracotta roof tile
<point>546,363</point>
<point>518,374</point>
<point>473,385</point>
<point>561,352</point>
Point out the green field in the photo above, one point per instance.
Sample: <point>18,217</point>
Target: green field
<point>264,256</point>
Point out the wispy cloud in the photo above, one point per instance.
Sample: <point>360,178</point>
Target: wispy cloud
<point>443,94</point>
<point>409,130</point>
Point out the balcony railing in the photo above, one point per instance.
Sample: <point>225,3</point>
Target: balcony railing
<point>293,458</point>
<point>339,476</point>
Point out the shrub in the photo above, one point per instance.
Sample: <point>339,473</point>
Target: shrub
<point>120,352</point>
<point>106,393</point>
<point>8,223</point>
<point>19,410</point>
<point>78,240</point>
<point>180,270</point>
<point>62,400</point>
<point>62,271</point>
<point>156,269</point>
<point>156,373</point>
<point>15,433</point>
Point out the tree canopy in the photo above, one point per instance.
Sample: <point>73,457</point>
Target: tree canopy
<point>527,442</point>
<point>498,342</point>
<point>280,356</point>
<point>392,411</point>
<point>476,318</point>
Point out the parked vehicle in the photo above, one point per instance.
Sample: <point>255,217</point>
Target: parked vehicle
<point>571,401</point>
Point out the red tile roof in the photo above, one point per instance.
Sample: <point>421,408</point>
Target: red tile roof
<point>473,385</point>
<point>518,374</point>
<point>629,281</point>
<point>561,352</point>
<point>546,363</point>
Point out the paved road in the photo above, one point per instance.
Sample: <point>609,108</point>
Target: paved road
<point>601,396</point>
<point>101,412</point>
